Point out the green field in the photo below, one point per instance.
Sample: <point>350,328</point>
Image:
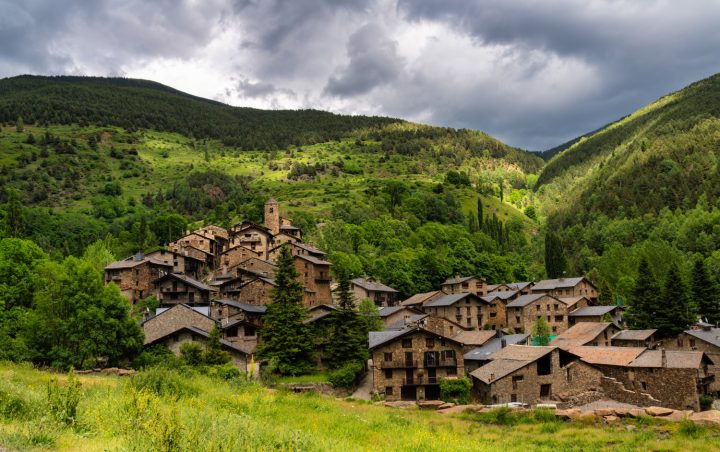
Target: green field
<point>168,411</point>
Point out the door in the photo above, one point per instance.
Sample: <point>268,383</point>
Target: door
<point>408,393</point>
<point>432,392</point>
<point>409,359</point>
<point>432,359</point>
<point>432,376</point>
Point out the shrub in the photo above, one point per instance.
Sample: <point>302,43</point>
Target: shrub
<point>345,376</point>
<point>691,429</point>
<point>16,402</point>
<point>163,382</point>
<point>456,390</point>
<point>191,354</point>
<point>225,372</point>
<point>63,402</point>
<point>706,402</point>
<point>156,355</point>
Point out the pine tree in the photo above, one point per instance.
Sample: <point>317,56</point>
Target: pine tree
<point>349,336</point>
<point>480,214</point>
<point>19,125</point>
<point>555,263</point>
<point>674,311</point>
<point>472,224</point>
<point>644,298</point>
<point>214,354</point>
<point>13,223</point>
<point>285,339</point>
<point>705,293</point>
<point>605,296</point>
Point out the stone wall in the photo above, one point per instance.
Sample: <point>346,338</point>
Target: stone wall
<point>496,314</point>
<point>470,313</point>
<point>256,292</point>
<point>686,341</point>
<point>234,256</point>
<point>553,310</point>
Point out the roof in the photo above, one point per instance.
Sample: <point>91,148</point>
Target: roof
<point>205,334</point>
<point>259,309</point>
<point>204,310</point>
<point>550,284</point>
<point>524,300</point>
<point>483,353</point>
<point>419,298</point>
<point>570,301</point>
<point>378,338</point>
<point>386,311</point>
<point>373,285</point>
<point>509,359</point>
<point>609,356</point>
<point>633,335</point>
<point>289,227</point>
<point>308,247</point>
<point>177,306</point>
<point>517,285</point>
<point>580,333</point>
<point>711,336</point>
<point>474,337</point>
<point>458,279</point>
<point>592,311</point>
<point>448,299</point>
<point>131,262</point>
<point>187,280</point>
<point>674,359</point>
<point>403,323</point>
<point>502,294</point>
<point>313,259</point>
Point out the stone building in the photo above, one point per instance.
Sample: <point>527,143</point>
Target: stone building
<point>567,287</point>
<point>466,309</point>
<point>465,284</point>
<point>250,235</point>
<point>596,314</point>
<point>272,216</point>
<point>174,340</point>
<point>168,320</point>
<point>497,307</point>
<point>256,290</point>
<point>418,299</point>
<point>393,316</point>
<point>531,374</point>
<point>471,339</point>
<point>705,339</point>
<point>240,322</point>
<point>635,338</point>
<point>409,364</point>
<point>315,276</point>
<point>234,255</point>
<point>373,289</point>
<point>523,312</point>
<point>190,265</point>
<point>597,334</point>
<point>256,266</point>
<point>296,249</point>
<point>174,288</point>
<point>199,241</point>
<point>135,276</point>
<point>479,356</point>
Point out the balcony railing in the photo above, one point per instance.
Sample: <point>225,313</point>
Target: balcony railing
<point>447,362</point>
<point>323,278</point>
<point>415,381</point>
<point>399,364</point>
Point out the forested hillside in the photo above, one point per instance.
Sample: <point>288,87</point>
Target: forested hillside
<point>645,186</point>
<point>135,163</point>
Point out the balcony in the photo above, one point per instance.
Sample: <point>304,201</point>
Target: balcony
<point>323,278</point>
<point>447,362</point>
<point>399,364</point>
<point>419,381</point>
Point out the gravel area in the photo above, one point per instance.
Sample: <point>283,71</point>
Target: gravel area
<point>604,404</point>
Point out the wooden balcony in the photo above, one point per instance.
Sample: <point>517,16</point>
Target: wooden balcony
<point>399,364</point>
<point>448,362</point>
<point>419,381</point>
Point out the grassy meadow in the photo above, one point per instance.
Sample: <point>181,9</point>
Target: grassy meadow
<point>164,410</point>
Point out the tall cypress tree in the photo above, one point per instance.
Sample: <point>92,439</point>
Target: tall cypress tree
<point>349,336</point>
<point>480,214</point>
<point>674,311</point>
<point>554,258</point>
<point>285,339</point>
<point>644,299</point>
<point>705,293</point>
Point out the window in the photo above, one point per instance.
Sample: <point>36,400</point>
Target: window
<point>537,307</point>
<point>554,329</point>
<point>544,365</point>
<point>464,285</point>
<point>493,315</point>
<point>457,310</point>
<point>692,341</point>
<point>515,380</point>
<point>513,397</point>
<point>559,318</point>
<point>517,319</point>
<point>388,356</point>
<point>388,390</point>
<point>430,342</point>
<point>249,331</point>
<point>231,332</point>
<point>407,343</point>
<point>555,306</point>
<point>643,385</point>
<point>467,310</point>
<point>449,354</point>
<point>388,373</point>
<point>545,390</point>
<point>568,375</point>
<point>451,371</point>
<point>469,321</point>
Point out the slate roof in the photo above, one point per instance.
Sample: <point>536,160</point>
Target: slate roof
<point>187,280</point>
<point>309,248</point>
<point>674,359</point>
<point>503,295</point>
<point>375,286</point>
<point>592,311</point>
<point>458,279</point>
<point>570,301</point>
<point>390,310</point>
<point>403,323</point>
<point>131,262</point>
<point>257,309</point>
<point>204,310</point>
<point>560,283</point>
<point>517,285</point>
<point>205,334</point>
<point>509,359</point>
<point>483,353</point>
<point>447,299</point>
<point>524,300</point>
<point>476,338</point>
<point>633,335</point>
<point>419,298</point>
<point>378,338</point>
<point>312,259</point>
<point>580,334</point>
<point>609,356</point>
<point>711,336</point>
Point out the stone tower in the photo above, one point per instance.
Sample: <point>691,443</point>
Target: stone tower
<point>272,216</point>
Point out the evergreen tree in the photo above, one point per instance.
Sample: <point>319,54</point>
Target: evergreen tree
<point>605,296</point>
<point>472,224</point>
<point>555,263</point>
<point>13,220</point>
<point>480,214</point>
<point>285,339</point>
<point>641,312</point>
<point>541,332</point>
<point>705,295</point>
<point>370,313</point>
<point>674,311</point>
<point>214,354</point>
<point>349,337</point>
<point>19,124</point>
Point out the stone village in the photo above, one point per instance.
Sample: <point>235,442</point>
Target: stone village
<point>221,277</point>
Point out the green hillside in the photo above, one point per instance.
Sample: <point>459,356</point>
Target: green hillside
<point>646,185</point>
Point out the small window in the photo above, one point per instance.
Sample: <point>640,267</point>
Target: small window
<point>430,342</point>
<point>555,306</point>
<point>407,343</point>
<point>451,371</point>
<point>249,331</point>
<point>643,385</point>
<point>537,307</point>
<point>559,318</point>
<point>692,343</point>
<point>388,390</point>
<point>493,315</point>
<point>513,397</point>
<point>388,373</point>
<point>545,390</point>
<point>388,356</point>
<point>554,329</point>
<point>469,321</point>
<point>517,319</point>
<point>515,380</point>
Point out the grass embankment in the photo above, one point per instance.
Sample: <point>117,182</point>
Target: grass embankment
<point>169,411</point>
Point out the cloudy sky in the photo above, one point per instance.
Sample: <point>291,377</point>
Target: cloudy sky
<point>533,73</point>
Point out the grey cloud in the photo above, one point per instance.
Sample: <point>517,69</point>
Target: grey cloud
<point>247,89</point>
<point>374,61</point>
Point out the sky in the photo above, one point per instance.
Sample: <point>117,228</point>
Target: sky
<point>533,73</point>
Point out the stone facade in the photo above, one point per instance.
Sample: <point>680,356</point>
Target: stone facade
<point>469,311</point>
<point>252,236</point>
<point>175,289</point>
<point>496,314</point>
<point>135,276</point>
<point>176,339</point>
<point>272,216</point>
<point>233,256</point>
<point>315,276</point>
<point>686,341</point>
<point>522,319</point>
<point>469,284</point>
<point>257,266</point>
<point>182,263</point>
<point>567,287</point>
<point>258,291</point>
<point>411,366</point>
<point>380,294</point>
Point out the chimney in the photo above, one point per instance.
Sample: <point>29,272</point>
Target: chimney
<point>664,358</point>
<point>139,256</point>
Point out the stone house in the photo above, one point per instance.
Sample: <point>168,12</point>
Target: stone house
<point>418,299</point>
<point>256,266</point>
<point>195,253</point>
<point>497,307</point>
<point>217,233</point>
<point>465,284</point>
<point>174,288</point>
<point>531,374</point>
<point>706,340</point>
<point>409,364</point>
<point>635,338</point>
<point>526,309</point>
<point>371,288</point>
<point>567,287</point>
<point>186,264</point>
<point>296,249</point>
<point>234,255</point>
<point>466,309</point>
<point>479,356</point>
<point>596,314</point>
<point>597,334</point>
<point>199,241</point>
<point>171,319</point>
<point>135,275</point>
<point>575,303</point>
<point>523,288</point>
<point>315,276</point>
<point>256,290</point>
<point>240,322</point>
<point>471,339</point>
<point>398,315</point>
<point>239,357</point>
<point>250,235</point>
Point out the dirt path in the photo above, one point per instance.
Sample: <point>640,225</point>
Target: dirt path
<point>363,391</point>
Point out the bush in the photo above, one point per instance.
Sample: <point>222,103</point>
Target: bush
<point>225,372</point>
<point>691,429</point>
<point>706,402</point>
<point>163,382</point>
<point>63,403</point>
<point>456,390</point>
<point>16,402</point>
<point>191,354</point>
<point>156,355</point>
<point>345,376</point>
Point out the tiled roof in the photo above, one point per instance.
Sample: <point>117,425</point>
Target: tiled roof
<point>674,359</point>
<point>509,359</point>
<point>609,356</point>
<point>131,262</point>
<point>571,301</point>
<point>711,335</point>
<point>476,338</point>
<point>502,294</point>
<point>258,309</point>
<point>187,280</point>
<point>580,334</point>
<point>550,284</point>
<point>524,300</point>
<point>420,298</point>
<point>592,311</point>
<point>447,300</point>
<point>483,353</point>
<point>633,335</point>
<point>458,279</point>
<point>375,286</point>
<point>312,259</point>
